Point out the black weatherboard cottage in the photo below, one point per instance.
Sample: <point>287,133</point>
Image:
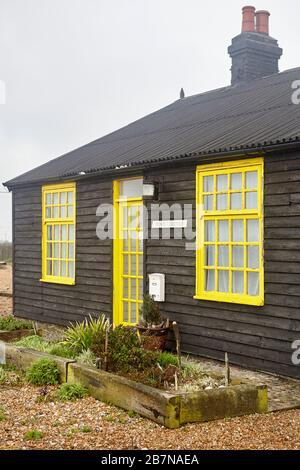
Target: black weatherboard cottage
<point>233,154</point>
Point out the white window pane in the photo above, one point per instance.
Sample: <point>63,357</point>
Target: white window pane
<point>125,288</point>
<point>208,203</point>
<point>236,201</point>
<point>55,250</point>
<point>236,181</point>
<point>209,256</point>
<point>133,265</point>
<point>238,256</point>
<point>71,232</point>
<point>55,268</point>
<point>251,200</point>
<point>50,232</point>
<point>125,243</point>
<point>251,180</point>
<point>64,232</point>
<point>48,199</point>
<point>70,197</point>
<point>63,198</point>
<point>55,198</point>
<point>48,212</point>
<point>63,212</point>
<point>125,264</point>
<point>141,289</point>
<point>237,282</point>
<point>56,232</point>
<point>133,286</point>
<point>237,230</point>
<point>71,251</point>
<point>222,183</point>
<point>223,256</point>
<point>134,244</point>
<point>133,318</point>
<point>71,269</point>
<point>210,231</point>
<point>222,202</point>
<point>63,269</point>
<point>70,211</point>
<point>131,188</point>
<point>223,232</point>
<point>253,284</point>
<point>208,184</point>
<point>49,250</point>
<point>64,250</point>
<point>55,212</point>
<point>141,265</point>
<point>223,281</point>
<point>253,257</point>
<point>252,230</point>
<point>210,281</point>
<point>125,312</point>
<point>49,268</point>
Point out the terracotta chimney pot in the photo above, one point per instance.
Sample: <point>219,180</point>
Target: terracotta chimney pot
<point>262,22</point>
<point>248,19</point>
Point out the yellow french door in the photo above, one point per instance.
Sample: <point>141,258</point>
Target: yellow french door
<point>128,251</point>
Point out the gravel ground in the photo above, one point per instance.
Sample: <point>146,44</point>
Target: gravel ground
<point>90,424</point>
<point>5,286</point>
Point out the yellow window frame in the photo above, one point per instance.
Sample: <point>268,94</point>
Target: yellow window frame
<point>58,221</point>
<point>229,168</point>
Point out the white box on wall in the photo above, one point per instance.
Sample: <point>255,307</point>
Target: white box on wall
<point>157,287</point>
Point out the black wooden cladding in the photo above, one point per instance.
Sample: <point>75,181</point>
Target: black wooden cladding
<point>56,303</point>
<point>255,337</point>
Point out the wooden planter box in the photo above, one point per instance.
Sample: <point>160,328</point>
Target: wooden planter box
<point>166,408</point>
<point>15,335</point>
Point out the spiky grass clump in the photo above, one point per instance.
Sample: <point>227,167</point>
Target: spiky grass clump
<point>43,372</point>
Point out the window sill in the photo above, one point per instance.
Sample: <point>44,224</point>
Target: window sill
<point>66,282</point>
<point>240,300</point>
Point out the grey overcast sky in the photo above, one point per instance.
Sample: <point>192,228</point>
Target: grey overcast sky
<point>77,69</point>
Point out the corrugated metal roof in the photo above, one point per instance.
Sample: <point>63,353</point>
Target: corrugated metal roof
<point>250,115</point>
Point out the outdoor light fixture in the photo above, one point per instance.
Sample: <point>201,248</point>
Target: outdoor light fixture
<point>149,190</point>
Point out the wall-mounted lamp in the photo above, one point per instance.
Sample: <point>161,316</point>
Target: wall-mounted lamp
<point>149,190</point>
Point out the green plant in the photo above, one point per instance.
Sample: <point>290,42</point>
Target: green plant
<point>165,359</point>
<point>33,435</point>
<point>33,342</point>
<point>79,337</point>
<point>87,358</point>
<point>71,392</point>
<point>43,372</point>
<point>132,414</point>
<point>86,429</point>
<point>61,350</point>
<point>10,323</point>
<point>3,376</point>
<point>149,313</point>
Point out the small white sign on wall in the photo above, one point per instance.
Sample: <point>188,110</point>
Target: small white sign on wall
<point>165,224</point>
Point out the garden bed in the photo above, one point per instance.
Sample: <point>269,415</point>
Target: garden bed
<point>12,329</point>
<point>171,409</point>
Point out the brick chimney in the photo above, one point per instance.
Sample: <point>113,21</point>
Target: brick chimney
<point>254,53</point>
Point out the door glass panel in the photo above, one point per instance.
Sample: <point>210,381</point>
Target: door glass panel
<point>223,233</point>
<point>210,231</point>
